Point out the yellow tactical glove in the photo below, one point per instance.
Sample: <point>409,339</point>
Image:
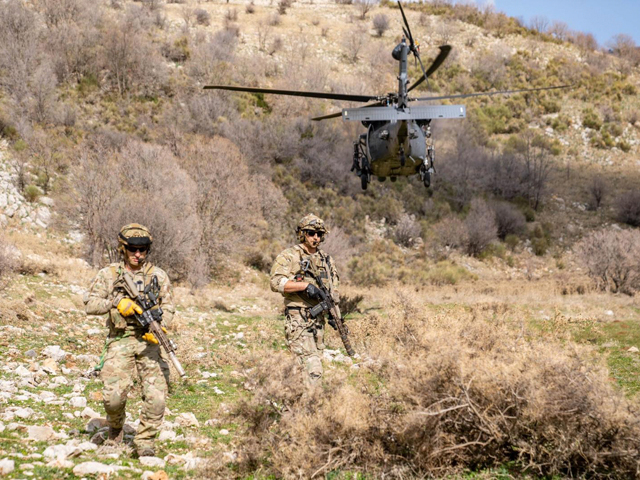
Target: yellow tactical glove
<point>128,307</point>
<point>151,338</point>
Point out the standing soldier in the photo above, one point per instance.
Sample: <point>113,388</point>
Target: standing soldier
<point>293,275</point>
<point>129,347</point>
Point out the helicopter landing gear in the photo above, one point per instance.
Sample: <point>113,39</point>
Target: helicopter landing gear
<point>361,164</point>
<point>427,168</point>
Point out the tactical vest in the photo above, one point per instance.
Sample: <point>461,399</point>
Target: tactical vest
<point>142,278</point>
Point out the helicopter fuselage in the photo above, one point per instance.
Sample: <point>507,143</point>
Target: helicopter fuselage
<point>395,149</point>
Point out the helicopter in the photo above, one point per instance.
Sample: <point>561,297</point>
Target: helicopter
<point>398,140</point>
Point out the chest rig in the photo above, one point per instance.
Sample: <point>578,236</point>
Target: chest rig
<point>317,265</point>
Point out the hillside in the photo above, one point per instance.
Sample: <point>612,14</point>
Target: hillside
<point>495,314</point>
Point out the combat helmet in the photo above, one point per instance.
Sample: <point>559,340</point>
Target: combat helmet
<point>135,235</point>
<point>311,222</point>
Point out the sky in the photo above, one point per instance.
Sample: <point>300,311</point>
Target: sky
<point>603,18</point>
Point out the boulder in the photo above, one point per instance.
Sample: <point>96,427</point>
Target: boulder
<point>41,434</point>
<point>94,468</point>
<point>7,466</point>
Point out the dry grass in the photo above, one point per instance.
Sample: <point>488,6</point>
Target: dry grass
<point>440,394</point>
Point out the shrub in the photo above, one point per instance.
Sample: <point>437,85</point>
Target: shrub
<point>509,220</point>
<point>590,119</point>
<point>8,258</point>
<point>202,17</point>
<point>250,8</point>
<point>628,208</point>
<point>442,394</point>
<point>612,258</point>
<point>539,246</point>
<point>597,190</point>
<point>481,227</point>
<point>380,24</point>
<point>447,273</point>
<point>451,232</point>
<point>407,231</point>
<point>32,193</point>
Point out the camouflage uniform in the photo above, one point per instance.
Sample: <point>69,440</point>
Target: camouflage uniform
<point>304,335</point>
<point>127,350</point>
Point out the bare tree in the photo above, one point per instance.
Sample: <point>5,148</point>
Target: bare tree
<point>559,30</point>
<point>364,7</point>
<point>597,190</point>
<point>612,258</point>
<point>353,42</point>
<point>481,227</point>
<point>539,23</point>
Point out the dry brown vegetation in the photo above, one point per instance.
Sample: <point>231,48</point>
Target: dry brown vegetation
<point>438,395</point>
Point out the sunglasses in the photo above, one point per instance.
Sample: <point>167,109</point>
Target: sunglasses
<point>136,249</point>
<point>313,233</point>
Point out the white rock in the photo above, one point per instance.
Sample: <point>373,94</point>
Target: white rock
<point>23,412</point>
<point>187,420</point>
<point>609,313</point>
<point>23,372</point>
<point>41,434</point>
<point>8,386</point>
<point>55,352</point>
<point>1,427</point>
<point>3,200</point>
<point>47,201</point>
<point>46,395</point>
<point>59,451</point>
<point>96,424</point>
<point>7,466</point>
<point>61,463</point>
<point>94,468</point>
<point>84,446</point>
<point>88,412</point>
<point>224,431</point>
<point>633,350</point>
<point>166,435</point>
<point>153,462</point>
<point>78,402</point>
<point>59,381</point>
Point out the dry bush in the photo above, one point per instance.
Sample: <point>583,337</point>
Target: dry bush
<point>353,42</point>
<point>628,208</point>
<point>340,246</point>
<point>439,395</point>
<point>509,220</point>
<point>612,258</point>
<point>407,231</point>
<point>596,189</point>
<point>203,17</point>
<point>115,188</point>
<point>233,206</point>
<point>129,57</point>
<point>8,259</point>
<point>363,7</point>
<point>380,24</point>
<point>481,227</point>
<point>451,232</point>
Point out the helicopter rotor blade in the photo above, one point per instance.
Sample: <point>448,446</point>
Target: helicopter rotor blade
<point>325,117</point>
<point>404,18</point>
<point>444,52</point>
<point>502,92</point>
<point>295,93</point>
<point>339,114</point>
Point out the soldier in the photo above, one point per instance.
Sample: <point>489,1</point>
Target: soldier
<point>304,334</point>
<point>129,347</point>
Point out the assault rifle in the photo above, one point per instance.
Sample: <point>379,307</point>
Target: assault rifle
<point>151,315</point>
<point>328,305</point>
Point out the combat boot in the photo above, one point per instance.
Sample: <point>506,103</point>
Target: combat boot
<point>116,434</point>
